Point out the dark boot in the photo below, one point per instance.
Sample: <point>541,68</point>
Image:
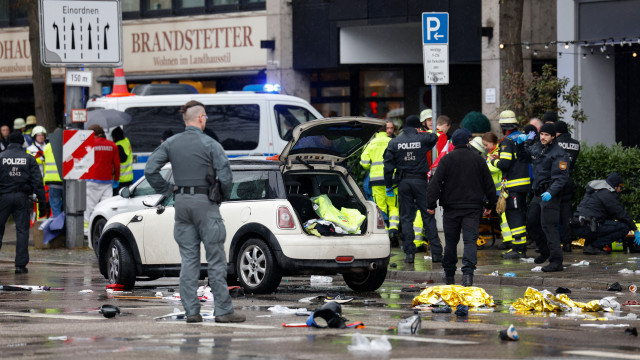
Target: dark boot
<point>467,279</point>
<point>409,258</point>
<point>505,245</point>
<point>197,318</point>
<point>517,251</point>
<point>590,250</point>
<point>448,279</point>
<point>436,258</point>
<point>552,267</point>
<point>540,259</point>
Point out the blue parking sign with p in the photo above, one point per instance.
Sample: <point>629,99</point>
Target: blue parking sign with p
<point>435,28</point>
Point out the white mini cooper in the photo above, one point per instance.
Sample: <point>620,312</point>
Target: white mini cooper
<point>264,219</point>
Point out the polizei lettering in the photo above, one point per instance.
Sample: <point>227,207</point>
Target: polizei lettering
<point>405,146</point>
<point>10,161</point>
<point>570,146</point>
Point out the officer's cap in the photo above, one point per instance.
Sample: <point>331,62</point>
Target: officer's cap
<point>16,138</point>
<point>412,121</point>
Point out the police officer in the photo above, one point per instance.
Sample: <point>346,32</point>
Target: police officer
<point>197,219</point>
<point>516,173</point>
<point>572,148</point>
<point>600,217</point>
<point>406,155</point>
<point>20,177</point>
<point>550,175</point>
<point>372,160</point>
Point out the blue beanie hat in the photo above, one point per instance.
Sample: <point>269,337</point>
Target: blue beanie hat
<point>614,180</point>
<point>460,137</point>
<point>412,121</point>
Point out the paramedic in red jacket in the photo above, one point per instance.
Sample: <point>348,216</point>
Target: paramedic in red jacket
<point>106,168</point>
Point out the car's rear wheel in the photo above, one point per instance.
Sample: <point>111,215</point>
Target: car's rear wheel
<point>121,268</point>
<point>96,231</point>
<point>256,267</point>
<point>369,280</point>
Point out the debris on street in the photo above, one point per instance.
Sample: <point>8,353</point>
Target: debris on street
<point>545,301</point>
<point>509,334</point>
<point>360,343</point>
<point>454,295</point>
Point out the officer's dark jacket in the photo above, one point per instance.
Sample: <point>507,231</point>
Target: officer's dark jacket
<point>463,181</point>
<point>515,170</point>
<point>190,153</point>
<point>602,202</point>
<point>19,172</point>
<point>550,167</point>
<point>408,153</point>
<point>571,147</point>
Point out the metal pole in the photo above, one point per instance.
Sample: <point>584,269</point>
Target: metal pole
<point>434,118</point>
<point>75,190</point>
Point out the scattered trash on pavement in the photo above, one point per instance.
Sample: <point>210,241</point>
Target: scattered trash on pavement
<point>625,271</point>
<point>633,288</point>
<point>410,325</point>
<point>581,263</point>
<point>360,343</point>
<point>312,299</point>
<point>393,265</point>
<point>82,292</point>
<point>317,279</point>
<point>495,273</point>
<point>545,301</point>
<point>454,295</point>
<point>132,297</point>
<point>236,291</point>
<point>328,316</point>
<point>631,303</point>
<point>109,311</point>
<point>159,294</point>
<point>441,309</point>
<point>462,310</point>
<point>563,290</point>
<point>115,287</point>
<point>427,257</point>
<point>615,287</point>
<point>509,334</point>
<point>537,269</point>
<point>278,309</point>
<point>631,331</point>
<point>34,288</point>
<point>527,260</point>
<point>509,274</point>
<point>604,326</point>
<point>57,338</point>
<point>337,297</point>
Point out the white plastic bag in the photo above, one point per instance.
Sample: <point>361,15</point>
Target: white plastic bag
<point>360,343</point>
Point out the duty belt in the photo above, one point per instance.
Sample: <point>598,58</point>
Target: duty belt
<point>192,190</point>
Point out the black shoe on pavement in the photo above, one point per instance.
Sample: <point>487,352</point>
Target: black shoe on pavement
<point>540,259</point>
<point>421,248</point>
<point>512,254</point>
<point>448,279</point>
<point>552,267</point>
<point>436,258</point>
<point>231,318</point>
<point>194,318</point>
<point>409,258</point>
<point>590,250</point>
<point>21,270</point>
<point>566,247</point>
<point>505,245</point>
<point>467,279</point>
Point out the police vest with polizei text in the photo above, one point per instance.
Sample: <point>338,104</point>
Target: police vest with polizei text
<point>412,145</point>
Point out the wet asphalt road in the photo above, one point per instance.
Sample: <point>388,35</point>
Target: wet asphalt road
<point>64,324</point>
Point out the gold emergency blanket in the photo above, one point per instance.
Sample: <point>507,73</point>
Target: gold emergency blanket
<point>547,302</point>
<point>454,295</point>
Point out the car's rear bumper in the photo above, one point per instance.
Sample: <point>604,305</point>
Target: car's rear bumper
<point>327,267</point>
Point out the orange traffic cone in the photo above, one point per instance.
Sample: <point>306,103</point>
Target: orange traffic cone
<point>119,85</point>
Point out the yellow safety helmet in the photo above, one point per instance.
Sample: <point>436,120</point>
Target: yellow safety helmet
<point>426,114</point>
<point>18,124</point>
<point>508,117</point>
<point>31,120</point>
<point>38,130</point>
<point>476,143</point>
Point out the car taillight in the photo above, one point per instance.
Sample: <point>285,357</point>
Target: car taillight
<point>380,219</point>
<point>344,259</point>
<point>285,220</point>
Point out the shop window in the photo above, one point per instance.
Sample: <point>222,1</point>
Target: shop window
<point>130,6</point>
<point>191,4</point>
<point>290,116</point>
<point>158,4</point>
<point>331,93</point>
<point>381,93</point>
<point>5,14</point>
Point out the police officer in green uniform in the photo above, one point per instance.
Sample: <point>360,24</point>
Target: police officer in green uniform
<point>19,178</point>
<point>197,219</point>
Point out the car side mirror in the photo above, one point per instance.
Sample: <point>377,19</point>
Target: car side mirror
<point>125,192</point>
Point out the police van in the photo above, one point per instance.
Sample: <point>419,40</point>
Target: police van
<point>245,123</point>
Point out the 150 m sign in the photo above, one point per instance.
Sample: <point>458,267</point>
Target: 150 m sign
<point>76,33</point>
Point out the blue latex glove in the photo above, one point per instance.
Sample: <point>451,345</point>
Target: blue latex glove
<point>532,135</point>
<point>521,138</point>
<point>390,192</point>
<point>116,184</point>
<point>546,196</point>
<point>637,239</point>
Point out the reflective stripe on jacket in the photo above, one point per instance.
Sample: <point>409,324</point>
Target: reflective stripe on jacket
<point>372,158</point>
<point>50,169</point>
<point>126,167</point>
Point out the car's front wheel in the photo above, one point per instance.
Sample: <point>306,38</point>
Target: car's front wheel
<point>369,280</point>
<point>256,267</point>
<point>96,231</point>
<point>121,268</point>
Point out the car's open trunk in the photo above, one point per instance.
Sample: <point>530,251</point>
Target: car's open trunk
<point>301,186</point>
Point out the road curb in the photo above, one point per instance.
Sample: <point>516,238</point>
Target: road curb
<point>534,281</point>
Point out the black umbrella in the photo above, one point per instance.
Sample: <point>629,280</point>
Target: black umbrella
<point>107,118</point>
